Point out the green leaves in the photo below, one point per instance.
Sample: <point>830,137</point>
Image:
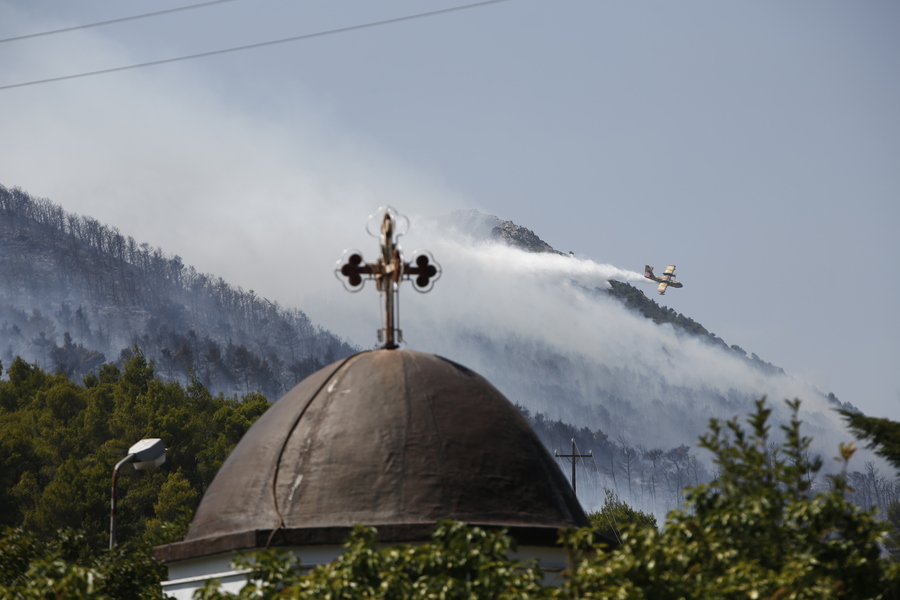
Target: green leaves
<point>62,567</point>
<point>882,434</point>
<point>615,517</point>
<point>458,563</point>
<point>755,532</point>
<point>59,442</point>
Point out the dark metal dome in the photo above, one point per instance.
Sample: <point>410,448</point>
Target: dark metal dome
<point>390,438</point>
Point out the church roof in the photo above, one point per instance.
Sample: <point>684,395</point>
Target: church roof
<point>391,438</point>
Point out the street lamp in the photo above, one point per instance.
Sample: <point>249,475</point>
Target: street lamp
<point>146,454</point>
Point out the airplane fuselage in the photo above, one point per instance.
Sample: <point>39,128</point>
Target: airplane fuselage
<point>669,282</point>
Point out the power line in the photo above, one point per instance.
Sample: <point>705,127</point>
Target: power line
<point>109,22</point>
<point>259,44</point>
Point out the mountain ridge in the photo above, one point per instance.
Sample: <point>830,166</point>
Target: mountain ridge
<point>111,294</point>
<point>75,293</point>
<point>44,249</point>
<point>487,227</point>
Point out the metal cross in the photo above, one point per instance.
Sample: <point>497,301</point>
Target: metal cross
<point>573,458</point>
<point>388,271</point>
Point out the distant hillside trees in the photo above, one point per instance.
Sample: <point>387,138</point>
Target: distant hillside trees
<point>652,479</point>
<point>75,293</point>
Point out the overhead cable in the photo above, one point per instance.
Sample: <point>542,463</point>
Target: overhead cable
<point>295,38</point>
<point>111,21</point>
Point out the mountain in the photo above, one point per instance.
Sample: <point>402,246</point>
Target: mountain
<point>491,228</point>
<point>589,356</point>
<point>585,354</point>
<point>75,293</point>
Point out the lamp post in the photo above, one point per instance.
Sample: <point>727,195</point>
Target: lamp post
<point>146,454</point>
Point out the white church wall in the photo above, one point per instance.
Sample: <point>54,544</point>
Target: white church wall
<point>187,576</point>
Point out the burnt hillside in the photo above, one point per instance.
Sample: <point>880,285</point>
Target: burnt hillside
<point>75,293</point>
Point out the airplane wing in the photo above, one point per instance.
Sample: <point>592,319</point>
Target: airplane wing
<point>665,280</point>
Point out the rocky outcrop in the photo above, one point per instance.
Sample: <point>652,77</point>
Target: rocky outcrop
<point>489,227</point>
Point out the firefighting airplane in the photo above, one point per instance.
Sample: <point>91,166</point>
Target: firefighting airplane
<point>666,280</point>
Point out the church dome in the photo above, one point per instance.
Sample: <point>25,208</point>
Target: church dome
<point>395,439</point>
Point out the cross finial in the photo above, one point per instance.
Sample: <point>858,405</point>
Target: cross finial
<point>388,271</point>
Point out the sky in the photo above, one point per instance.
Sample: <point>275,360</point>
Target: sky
<point>754,145</point>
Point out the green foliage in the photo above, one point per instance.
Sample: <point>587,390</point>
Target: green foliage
<point>755,532</point>
<point>459,562</point>
<point>614,517</point>
<point>882,434</point>
<point>892,543</point>
<point>63,567</point>
<point>173,511</point>
<point>59,442</point>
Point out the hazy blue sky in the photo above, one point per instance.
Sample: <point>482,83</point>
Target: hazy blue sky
<point>755,145</point>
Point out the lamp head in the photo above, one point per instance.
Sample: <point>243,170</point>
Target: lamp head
<point>148,453</point>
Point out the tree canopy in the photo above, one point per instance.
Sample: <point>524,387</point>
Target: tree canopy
<point>882,434</point>
<point>59,442</point>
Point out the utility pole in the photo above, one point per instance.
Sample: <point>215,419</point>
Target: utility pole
<point>573,458</point>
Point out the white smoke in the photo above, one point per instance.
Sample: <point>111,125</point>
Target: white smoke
<point>553,308</point>
<point>541,328</point>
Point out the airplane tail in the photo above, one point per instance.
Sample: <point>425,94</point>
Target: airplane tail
<point>648,271</point>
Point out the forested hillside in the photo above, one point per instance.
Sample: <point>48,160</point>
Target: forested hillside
<point>75,293</point>
<point>489,227</point>
<point>654,477</point>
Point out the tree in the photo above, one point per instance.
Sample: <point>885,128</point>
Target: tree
<point>59,442</point>
<point>882,434</point>
<point>615,516</point>
<point>892,543</point>
<point>757,531</point>
<point>71,359</point>
<point>63,567</point>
